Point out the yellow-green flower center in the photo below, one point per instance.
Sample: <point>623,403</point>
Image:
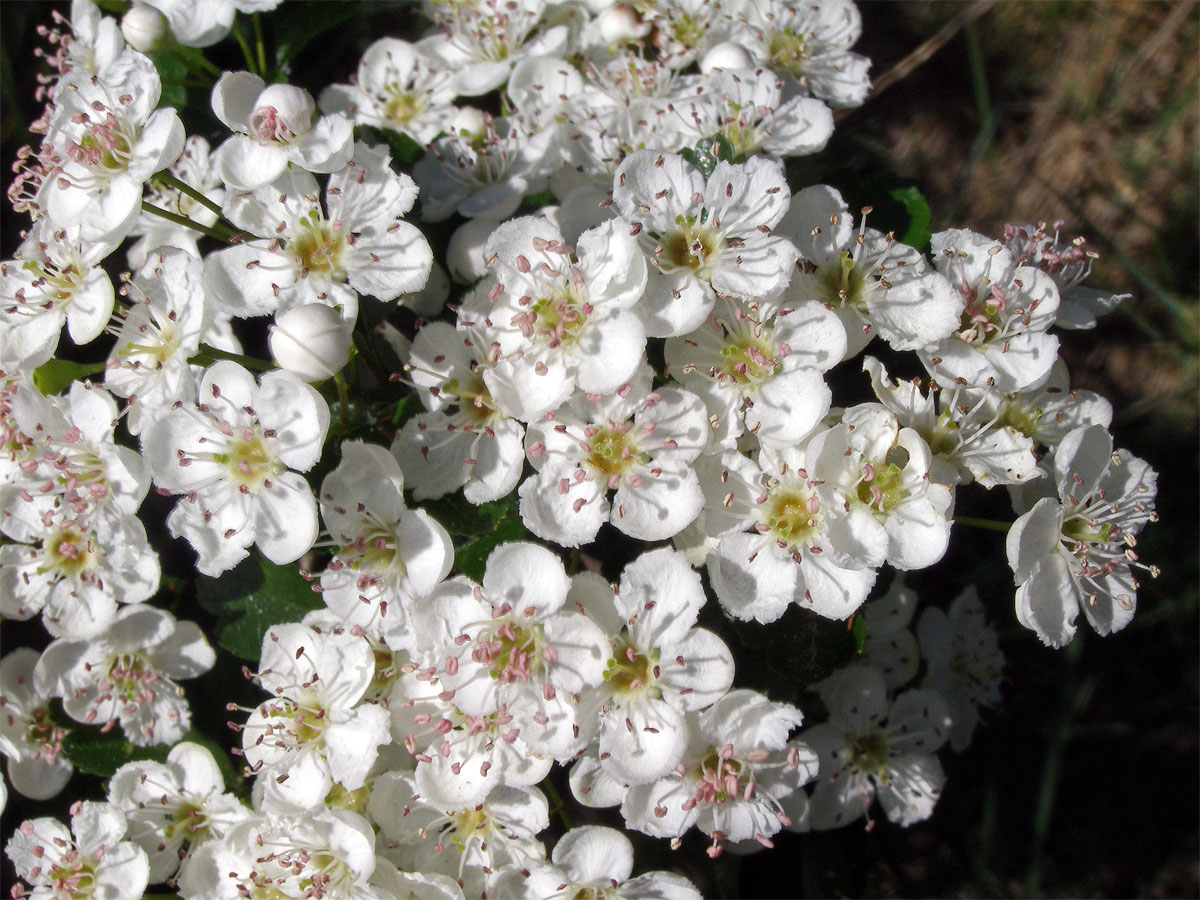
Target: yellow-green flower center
<point>318,247</point>
<point>69,553</point>
<point>251,464</point>
<point>630,672</point>
<point>690,246</point>
<point>474,399</point>
<point>787,51</point>
<point>613,452</point>
<point>792,515</point>
<point>869,752</point>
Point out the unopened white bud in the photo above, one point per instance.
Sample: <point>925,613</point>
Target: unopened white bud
<point>620,24</point>
<point>726,56</point>
<point>145,28</point>
<point>469,122</point>
<point>465,254</point>
<point>312,342</point>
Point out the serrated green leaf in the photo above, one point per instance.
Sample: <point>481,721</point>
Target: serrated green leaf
<point>101,753</point>
<point>252,597</point>
<point>55,375</point>
<point>171,71</point>
<point>465,519</point>
<point>470,557</point>
<point>917,233</point>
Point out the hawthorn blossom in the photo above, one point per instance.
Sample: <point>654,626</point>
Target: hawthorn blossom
<point>128,674</point>
<point>92,860</point>
<point>356,242</point>
<point>591,860</point>
<point>316,732</point>
<point>173,804</point>
<point>872,745</point>
<point>557,317</point>
<point>1006,308</point>
<point>963,661</point>
<point>703,238</point>
<point>107,139</point>
<point>464,440</point>
<point>639,443</point>
<point>737,769</point>
<point>275,126</point>
<point>1075,550</point>
<point>229,454</point>
<point>29,739</point>
<point>661,666</point>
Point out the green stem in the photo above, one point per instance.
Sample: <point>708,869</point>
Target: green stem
<point>989,524</point>
<point>343,390</point>
<point>165,177</point>
<point>220,232</point>
<point>207,355</point>
<point>195,60</point>
<point>251,62</point>
<point>556,802</point>
<point>258,43</point>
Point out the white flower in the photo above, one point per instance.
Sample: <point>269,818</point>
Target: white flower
<point>465,440</point>
<point>871,281</point>
<point>54,277</point>
<point>397,87</point>
<point>327,853</point>
<point>759,369</point>
<point>556,317</point>
<point>640,444</point>
<point>1075,551</point>
<point>169,805</point>
<point>963,660</point>
<point>768,530</point>
<point>161,331</point>
<point>703,239</point>
<point>387,555</point>
<point>890,646</point>
<point>89,862</point>
<point>315,732</point>
<point>513,643</point>
<point>661,666</point>
<point>1006,309</point>
<point>32,742</point>
<point>109,139</point>
<point>871,745</point>
<point>128,674</point>
<point>472,843</point>
<point>230,454</point>
<point>737,768</point>
<point>275,125</point>
<point>1068,264</point>
<point>355,243</point>
<point>204,24</point>
<point>872,477</point>
<point>593,861</point>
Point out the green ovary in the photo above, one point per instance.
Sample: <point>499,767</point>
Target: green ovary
<point>1079,529</point>
<point>613,453</point>
<point>885,491</point>
<point>788,518</point>
<point>844,284</point>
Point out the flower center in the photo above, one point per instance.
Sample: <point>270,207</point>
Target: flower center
<point>402,107</point>
<point>630,672</point>
<point>1022,417</point>
<point>467,826</point>
<point>613,452</point>
<point>560,317</point>
<point>190,820</point>
<point>375,550</point>
<point>72,876</point>
<point>63,281</point>
<point>131,677</point>
<point>515,652</point>
<point>474,399</point>
<point>250,462</point>
<point>869,752</point>
<point>69,553</point>
<point>983,318</point>
<point>319,247</point>
<point>747,360</point>
<point>793,515</point>
<point>882,487</point>
<point>845,284</point>
<point>788,51</point>
<point>1083,531</point>
<point>690,246</point>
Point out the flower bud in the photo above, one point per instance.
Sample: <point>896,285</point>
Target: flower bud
<point>465,254</point>
<point>620,24</point>
<point>145,28</point>
<point>312,342</point>
<point>726,56</point>
<point>469,122</point>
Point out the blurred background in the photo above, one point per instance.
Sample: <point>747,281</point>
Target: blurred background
<point>1084,781</point>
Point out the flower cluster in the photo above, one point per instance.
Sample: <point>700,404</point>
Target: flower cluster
<point>638,358</point>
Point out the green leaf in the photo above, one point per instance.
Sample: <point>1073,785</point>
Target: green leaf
<point>172,71</point>
<point>858,628</point>
<point>101,753</point>
<point>708,152</point>
<point>56,375</point>
<point>470,557</point>
<point>465,519</point>
<point>252,597</point>
<point>919,215</point>
<point>307,21</point>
